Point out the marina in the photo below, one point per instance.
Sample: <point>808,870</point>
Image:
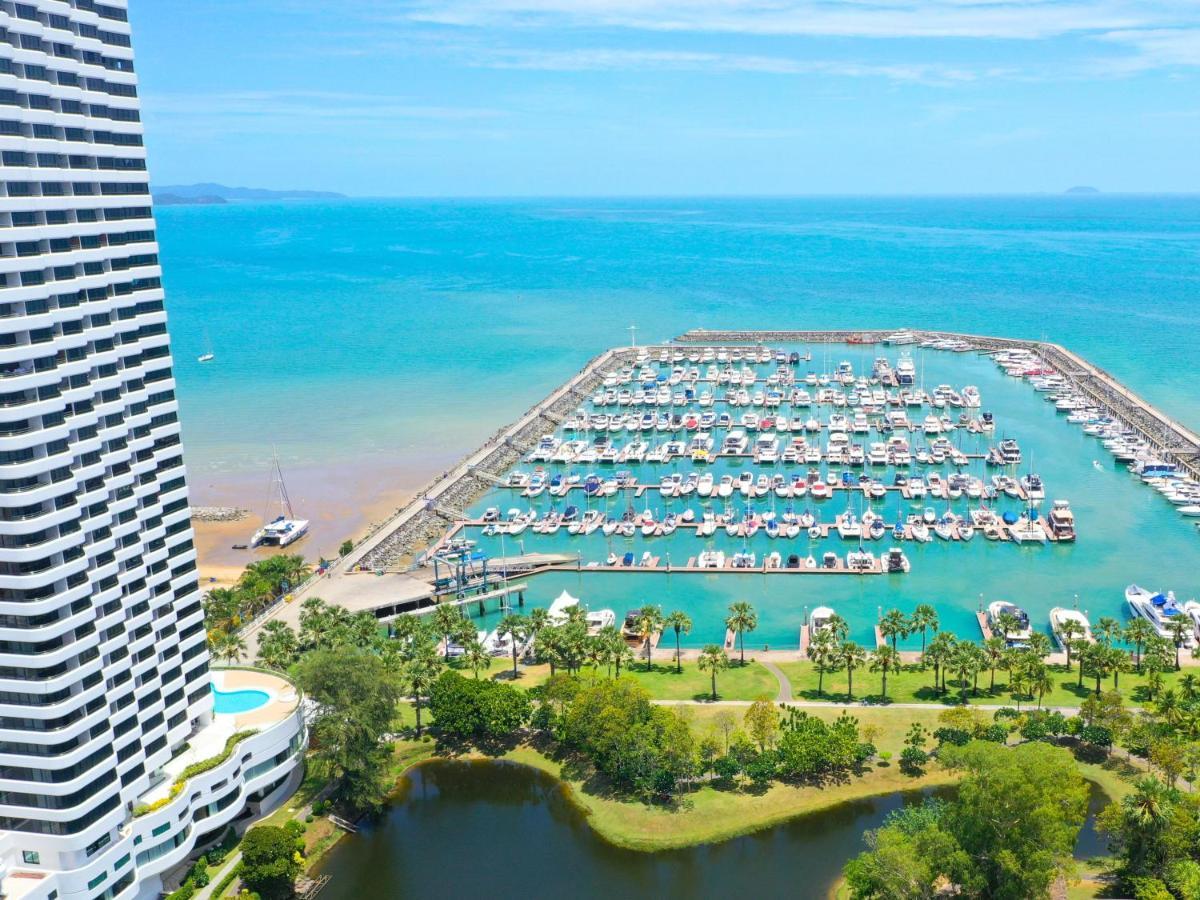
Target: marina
<point>654,462</point>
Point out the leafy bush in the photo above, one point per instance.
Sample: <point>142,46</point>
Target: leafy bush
<point>913,760</point>
<point>956,736</point>
<point>727,768</point>
<point>270,863</point>
<point>1098,735</point>
<point>468,707</point>
<point>995,732</point>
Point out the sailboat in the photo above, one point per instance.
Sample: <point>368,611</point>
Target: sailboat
<point>207,355</point>
<point>285,528</point>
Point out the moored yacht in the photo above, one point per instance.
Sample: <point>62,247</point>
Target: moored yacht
<point>1061,615</point>
<point>1160,610</point>
<point>1018,634</point>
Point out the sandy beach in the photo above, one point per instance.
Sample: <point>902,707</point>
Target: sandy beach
<point>342,500</point>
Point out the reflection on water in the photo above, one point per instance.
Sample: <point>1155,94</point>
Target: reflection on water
<point>460,828</point>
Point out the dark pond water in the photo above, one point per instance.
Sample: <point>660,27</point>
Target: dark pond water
<point>501,830</point>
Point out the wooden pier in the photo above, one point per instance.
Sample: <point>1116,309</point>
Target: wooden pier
<point>981,617</point>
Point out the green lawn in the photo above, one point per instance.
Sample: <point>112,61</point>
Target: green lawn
<point>748,682</point>
<point>709,814</point>
<point>914,685</point>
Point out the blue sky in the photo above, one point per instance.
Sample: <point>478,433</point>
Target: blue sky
<point>594,97</point>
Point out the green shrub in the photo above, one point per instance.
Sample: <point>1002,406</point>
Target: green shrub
<point>196,768</point>
<point>227,880</point>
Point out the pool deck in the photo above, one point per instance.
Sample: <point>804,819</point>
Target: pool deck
<point>210,740</point>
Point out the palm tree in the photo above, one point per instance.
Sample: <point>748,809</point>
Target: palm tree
<point>1039,681</point>
<point>230,647</point>
<point>1007,623</point>
<point>1138,632</point>
<point>1118,660</point>
<point>1081,646</point>
<point>619,652</point>
<point>596,654</point>
<point>1168,707</point>
<point>514,627</point>
<point>1108,630</point>
<point>221,606</point>
<point>822,651</point>
<point>742,618</point>
<point>963,660</point>
<point>893,626</point>
<point>885,659</point>
<point>277,645</point>
<point>713,659</point>
<point>420,672</point>
<point>1149,806</point>
<point>475,656</point>
<point>839,626</point>
<point>1190,685</point>
<point>938,653</point>
<point>649,623</point>
<point>994,649</point>
<point>539,619</point>
<point>1039,645</point>
<point>1180,628</point>
<point>851,656</point>
<point>1099,662</point>
<point>1069,631</point>
<point>681,622</point>
<point>447,619</point>
<point>923,619</point>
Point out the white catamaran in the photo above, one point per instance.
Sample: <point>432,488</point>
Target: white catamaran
<point>285,528</point>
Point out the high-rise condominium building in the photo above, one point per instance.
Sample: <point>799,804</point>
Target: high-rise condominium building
<point>117,760</point>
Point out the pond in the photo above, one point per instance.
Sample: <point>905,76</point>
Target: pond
<point>504,830</point>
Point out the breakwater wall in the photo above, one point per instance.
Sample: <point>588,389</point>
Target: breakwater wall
<point>1172,440</point>
<point>425,518</point>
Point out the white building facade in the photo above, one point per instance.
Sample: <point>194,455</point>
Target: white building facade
<point>104,670</point>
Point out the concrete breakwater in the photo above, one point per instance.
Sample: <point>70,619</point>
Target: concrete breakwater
<point>1173,441</point>
<point>439,504</point>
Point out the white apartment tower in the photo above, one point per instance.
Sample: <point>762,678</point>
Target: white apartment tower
<point>113,766</point>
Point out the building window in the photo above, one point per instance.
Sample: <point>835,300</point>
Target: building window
<point>31,857</point>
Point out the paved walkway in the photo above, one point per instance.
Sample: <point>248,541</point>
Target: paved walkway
<point>294,782</point>
<point>785,684</point>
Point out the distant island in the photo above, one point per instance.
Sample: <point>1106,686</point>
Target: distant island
<point>176,200</point>
<point>1083,189</point>
<point>210,192</point>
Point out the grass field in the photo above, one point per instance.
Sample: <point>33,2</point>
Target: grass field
<point>914,685</point>
<point>710,814</point>
<point>748,682</point>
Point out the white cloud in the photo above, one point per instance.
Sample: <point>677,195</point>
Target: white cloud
<point>1155,48</point>
<point>1012,19</point>
<point>602,59</point>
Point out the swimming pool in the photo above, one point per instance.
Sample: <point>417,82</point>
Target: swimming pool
<point>238,701</point>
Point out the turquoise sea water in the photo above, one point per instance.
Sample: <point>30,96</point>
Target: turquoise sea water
<point>390,330</point>
<point>403,332</point>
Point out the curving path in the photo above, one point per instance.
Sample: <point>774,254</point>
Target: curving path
<point>785,685</point>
